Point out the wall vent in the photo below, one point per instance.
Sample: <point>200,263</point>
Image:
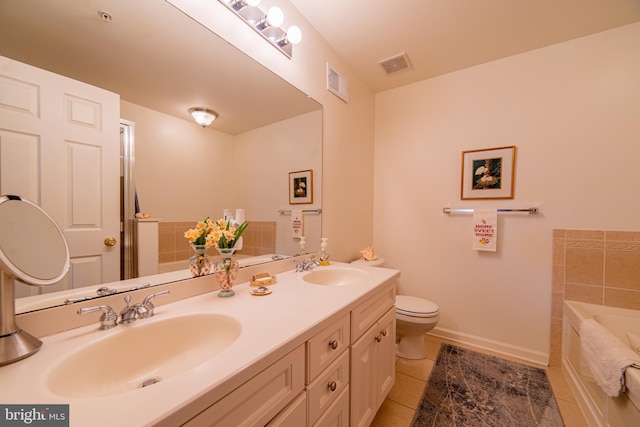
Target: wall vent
<point>337,84</point>
<point>395,63</point>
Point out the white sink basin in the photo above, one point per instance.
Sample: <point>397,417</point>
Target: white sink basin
<point>335,276</point>
<point>141,354</point>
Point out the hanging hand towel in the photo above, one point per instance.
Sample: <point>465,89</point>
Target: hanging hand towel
<point>296,223</point>
<point>485,229</point>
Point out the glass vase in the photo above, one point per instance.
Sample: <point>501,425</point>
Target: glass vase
<point>200,263</point>
<point>226,272</point>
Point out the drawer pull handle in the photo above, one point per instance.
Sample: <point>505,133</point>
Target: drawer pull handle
<point>384,332</point>
<point>333,344</point>
<point>379,338</point>
<point>332,386</point>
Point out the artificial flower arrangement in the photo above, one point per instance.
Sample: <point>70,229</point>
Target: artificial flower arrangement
<point>220,233</point>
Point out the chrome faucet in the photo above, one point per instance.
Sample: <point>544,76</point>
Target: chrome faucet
<point>139,311</point>
<point>148,305</point>
<point>109,318</point>
<point>305,264</point>
<point>131,312</point>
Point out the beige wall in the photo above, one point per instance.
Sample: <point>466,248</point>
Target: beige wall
<point>572,111</point>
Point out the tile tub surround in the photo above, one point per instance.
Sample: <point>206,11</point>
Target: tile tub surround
<point>593,266</point>
<point>258,239</point>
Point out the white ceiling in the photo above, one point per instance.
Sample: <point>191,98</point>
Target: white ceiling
<point>440,36</point>
<point>147,53</point>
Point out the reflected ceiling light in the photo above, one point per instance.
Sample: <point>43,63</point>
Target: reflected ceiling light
<point>203,116</point>
<point>266,24</point>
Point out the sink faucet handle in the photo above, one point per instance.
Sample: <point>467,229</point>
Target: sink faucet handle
<point>109,318</point>
<point>146,303</point>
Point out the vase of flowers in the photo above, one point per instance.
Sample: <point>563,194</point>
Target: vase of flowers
<point>225,235</point>
<point>201,239</point>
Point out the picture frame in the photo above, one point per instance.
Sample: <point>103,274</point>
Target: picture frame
<point>488,173</point>
<point>301,187</point>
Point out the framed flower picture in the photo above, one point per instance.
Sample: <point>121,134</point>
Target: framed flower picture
<point>488,173</point>
<point>301,187</point>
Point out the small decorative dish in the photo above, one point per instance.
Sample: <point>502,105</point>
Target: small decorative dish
<point>261,291</point>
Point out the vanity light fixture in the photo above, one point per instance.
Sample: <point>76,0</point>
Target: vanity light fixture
<point>268,25</point>
<point>203,116</point>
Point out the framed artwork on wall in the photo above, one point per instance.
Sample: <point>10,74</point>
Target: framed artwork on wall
<point>488,173</point>
<point>301,187</point>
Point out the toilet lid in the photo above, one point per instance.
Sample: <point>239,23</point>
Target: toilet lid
<point>415,307</point>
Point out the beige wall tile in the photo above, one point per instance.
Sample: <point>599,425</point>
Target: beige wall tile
<point>585,262</point>
<point>622,269</point>
<point>559,252</point>
<point>557,281</point>
<point>559,233</point>
<point>584,293</point>
<point>630,236</point>
<point>585,234</point>
<point>622,298</point>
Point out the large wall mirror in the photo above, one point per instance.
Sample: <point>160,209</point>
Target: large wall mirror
<point>161,63</point>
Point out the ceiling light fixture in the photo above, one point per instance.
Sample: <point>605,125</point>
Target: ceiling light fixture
<point>268,25</point>
<point>203,116</point>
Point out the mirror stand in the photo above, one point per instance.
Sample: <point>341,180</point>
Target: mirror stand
<point>15,344</point>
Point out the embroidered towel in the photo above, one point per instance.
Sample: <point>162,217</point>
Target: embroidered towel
<point>606,356</point>
<point>485,229</point>
<point>297,223</point>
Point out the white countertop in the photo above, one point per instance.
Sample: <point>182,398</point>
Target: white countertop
<point>272,326</point>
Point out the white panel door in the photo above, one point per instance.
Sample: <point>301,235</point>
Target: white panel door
<point>59,147</point>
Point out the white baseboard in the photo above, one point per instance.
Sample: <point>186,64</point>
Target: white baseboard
<point>494,346</point>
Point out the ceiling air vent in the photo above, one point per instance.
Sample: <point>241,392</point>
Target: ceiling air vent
<point>395,63</point>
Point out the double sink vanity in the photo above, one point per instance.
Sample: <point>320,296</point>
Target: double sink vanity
<point>319,348</point>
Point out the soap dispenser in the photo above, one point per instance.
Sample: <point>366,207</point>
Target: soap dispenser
<point>303,247</point>
<point>324,255</point>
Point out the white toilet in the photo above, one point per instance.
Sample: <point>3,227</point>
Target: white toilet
<point>414,317</point>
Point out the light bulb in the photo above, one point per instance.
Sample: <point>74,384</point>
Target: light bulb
<point>294,34</point>
<point>275,16</point>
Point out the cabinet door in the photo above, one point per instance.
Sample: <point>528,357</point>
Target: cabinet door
<point>386,357</point>
<point>294,415</point>
<point>363,378</point>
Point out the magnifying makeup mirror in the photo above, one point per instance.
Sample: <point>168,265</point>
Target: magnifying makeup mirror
<point>32,250</point>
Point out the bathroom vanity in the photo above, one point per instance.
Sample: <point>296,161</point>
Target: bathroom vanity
<point>317,350</point>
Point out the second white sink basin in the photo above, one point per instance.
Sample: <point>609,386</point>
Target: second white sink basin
<point>335,276</point>
<point>141,354</point>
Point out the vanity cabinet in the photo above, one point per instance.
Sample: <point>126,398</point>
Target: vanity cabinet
<point>372,355</point>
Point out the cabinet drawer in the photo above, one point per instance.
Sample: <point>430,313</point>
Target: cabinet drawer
<point>338,412</point>
<point>368,313</point>
<point>258,400</point>
<point>326,346</point>
<point>327,387</point>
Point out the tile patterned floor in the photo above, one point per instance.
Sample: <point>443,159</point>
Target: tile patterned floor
<point>411,377</point>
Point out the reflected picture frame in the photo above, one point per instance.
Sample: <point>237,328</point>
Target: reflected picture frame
<point>301,187</point>
<point>488,173</point>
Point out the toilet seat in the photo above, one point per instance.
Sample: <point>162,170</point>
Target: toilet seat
<point>415,307</point>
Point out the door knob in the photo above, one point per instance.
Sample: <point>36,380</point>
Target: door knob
<point>110,241</point>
